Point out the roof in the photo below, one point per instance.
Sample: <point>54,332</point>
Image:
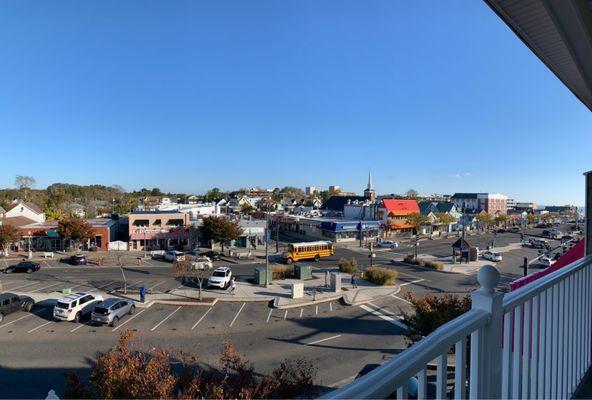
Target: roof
<point>464,196</point>
<point>17,222</point>
<point>425,207</point>
<point>156,212</point>
<point>559,33</point>
<point>317,243</point>
<point>337,203</point>
<point>401,207</point>
<point>445,206</point>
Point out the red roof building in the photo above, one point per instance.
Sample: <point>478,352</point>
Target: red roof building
<point>394,213</point>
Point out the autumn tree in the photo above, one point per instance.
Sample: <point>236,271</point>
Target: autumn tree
<point>246,209</point>
<point>445,218</point>
<point>431,312</point>
<point>416,220</point>
<point>485,220</point>
<point>188,270</point>
<point>220,230</point>
<point>75,230</point>
<point>531,218</point>
<point>501,220</point>
<point>126,372</point>
<point>214,194</point>
<point>24,182</point>
<point>8,235</point>
<point>412,194</point>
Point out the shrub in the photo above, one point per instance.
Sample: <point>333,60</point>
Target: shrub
<point>432,312</point>
<point>281,271</point>
<point>434,264</point>
<point>348,266</point>
<point>380,276</point>
<point>410,259</point>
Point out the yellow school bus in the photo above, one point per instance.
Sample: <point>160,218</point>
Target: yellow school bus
<point>307,251</point>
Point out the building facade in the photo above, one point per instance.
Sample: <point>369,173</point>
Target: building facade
<point>159,230</point>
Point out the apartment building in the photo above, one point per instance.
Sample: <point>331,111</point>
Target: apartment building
<point>159,230</point>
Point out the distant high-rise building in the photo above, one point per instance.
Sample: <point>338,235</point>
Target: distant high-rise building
<point>310,190</point>
<point>335,188</point>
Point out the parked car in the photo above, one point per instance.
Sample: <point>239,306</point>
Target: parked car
<point>567,238</point>
<point>557,256</point>
<point>220,277</point>
<point>23,266</point>
<point>546,261</point>
<point>201,263</point>
<point>538,243</point>
<point>388,243</point>
<point>76,259</point>
<point>110,311</point>
<point>75,306</point>
<point>491,256</point>
<point>211,254</point>
<point>514,229</point>
<point>10,302</point>
<point>174,255</point>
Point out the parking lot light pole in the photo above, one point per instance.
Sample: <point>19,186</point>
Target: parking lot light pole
<point>266,249</point>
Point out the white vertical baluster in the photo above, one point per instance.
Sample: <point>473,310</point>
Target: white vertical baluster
<point>441,376</point>
<point>542,345</point>
<point>421,385</point>
<point>560,337</point>
<point>475,372</point>
<point>570,333</point>
<point>587,314</point>
<point>506,366</point>
<point>580,338</point>
<point>526,334</point>
<point>555,341</point>
<point>548,334</point>
<point>402,392</point>
<point>460,369</point>
<point>517,354</point>
<point>534,358</point>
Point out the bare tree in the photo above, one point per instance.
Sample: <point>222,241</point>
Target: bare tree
<point>24,182</point>
<point>191,271</point>
<point>412,193</point>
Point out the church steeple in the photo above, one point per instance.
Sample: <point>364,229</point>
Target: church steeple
<point>370,193</point>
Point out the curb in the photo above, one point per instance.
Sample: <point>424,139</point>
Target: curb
<point>182,303</point>
<point>306,303</point>
<point>357,303</point>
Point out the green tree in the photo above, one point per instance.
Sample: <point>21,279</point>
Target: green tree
<point>246,209</point>
<point>501,220</point>
<point>412,194</point>
<point>53,214</point>
<point>445,218</point>
<point>75,230</point>
<point>214,194</point>
<point>531,219</point>
<point>431,312</point>
<point>485,220</point>
<point>8,235</point>
<point>416,220</point>
<point>220,230</point>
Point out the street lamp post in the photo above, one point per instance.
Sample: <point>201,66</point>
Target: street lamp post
<point>266,249</point>
<point>30,256</point>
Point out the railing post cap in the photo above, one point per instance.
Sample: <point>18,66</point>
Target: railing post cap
<point>488,277</point>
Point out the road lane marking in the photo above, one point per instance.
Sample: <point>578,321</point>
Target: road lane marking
<point>269,315</point>
<point>322,340</point>
<point>23,317</point>
<point>412,282</point>
<point>46,263</point>
<point>40,326</point>
<point>158,284</point>
<point>22,286</point>
<point>317,310</point>
<point>331,307</point>
<point>384,317</point>
<point>128,320</point>
<point>45,287</point>
<point>202,317</point>
<point>167,317</point>
<point>301,311</point>
<point>402,299</point>
<point>285,314</point>
<point>236,316</point>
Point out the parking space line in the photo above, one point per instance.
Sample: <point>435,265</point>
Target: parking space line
<point>40,326</point>
<point>165,318</point>
<point>78,327</point>
<point>128,320</point>
<point>402,299</point>
<point>103,286</point>
<point>322,340</point>
<point>317,309</point>
<point>158,284</point>
<point>331,306</point>
<point>237,314</point>
<point>46,287</point>
<point>285,314</point>
<point>412,282</point>
<point>46,263</point>
<point>384,317</point>
<point>146,261</point>
<point>269,315</point>
<point>301,311</point>
<point>383,310</point>
<point>23,317</point>
<point>22,286</point>
<point>202,317</point>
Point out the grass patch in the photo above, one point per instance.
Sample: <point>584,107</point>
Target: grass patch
<point>410,259</point>
<point>380,276</point>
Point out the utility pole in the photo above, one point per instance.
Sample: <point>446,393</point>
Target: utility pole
<point>277,233</point>
<point>525,267</point>
<point>361,234</point>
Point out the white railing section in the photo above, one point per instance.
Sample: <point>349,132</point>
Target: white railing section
<point>532,343</point>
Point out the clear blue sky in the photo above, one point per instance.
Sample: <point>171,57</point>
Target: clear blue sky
<point>439,96</point>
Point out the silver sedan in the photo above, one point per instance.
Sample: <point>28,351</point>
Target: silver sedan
<point>110,311</point>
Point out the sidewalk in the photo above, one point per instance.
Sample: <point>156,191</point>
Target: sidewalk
<point>279,292</point>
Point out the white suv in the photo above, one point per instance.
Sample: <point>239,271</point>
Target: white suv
<point>173,256</point>
<point>75,306</point>
<point>220,277</point>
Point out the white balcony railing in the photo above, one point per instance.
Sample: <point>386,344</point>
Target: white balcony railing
<point>531,343</point>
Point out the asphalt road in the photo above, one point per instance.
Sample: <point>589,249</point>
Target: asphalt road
<point>341,339</point>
